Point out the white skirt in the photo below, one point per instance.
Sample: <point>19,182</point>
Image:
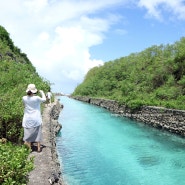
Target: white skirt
<point>33,134</point>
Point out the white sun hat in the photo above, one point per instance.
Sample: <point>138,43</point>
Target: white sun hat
<point>32,88</point>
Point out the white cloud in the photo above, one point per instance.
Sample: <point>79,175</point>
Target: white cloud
<point>35,6</point>
<point>69,50</point>
<point>57,35</point>
<point>156,8</point>
<point>44,36</point>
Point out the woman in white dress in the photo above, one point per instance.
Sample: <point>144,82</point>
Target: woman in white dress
<point>32,119</point>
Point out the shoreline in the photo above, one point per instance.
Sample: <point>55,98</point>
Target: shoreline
<point>46,163</point>
<point>171,120</point>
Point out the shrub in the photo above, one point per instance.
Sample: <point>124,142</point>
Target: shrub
<point>14,164</point>
<point>16,73</point>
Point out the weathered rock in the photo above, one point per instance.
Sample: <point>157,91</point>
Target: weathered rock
<point>159,117</point>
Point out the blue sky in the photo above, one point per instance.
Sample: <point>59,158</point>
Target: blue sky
<point>65,38</point>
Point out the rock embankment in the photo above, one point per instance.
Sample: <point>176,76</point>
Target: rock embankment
<point>162,118</point>
<point>46,164</point>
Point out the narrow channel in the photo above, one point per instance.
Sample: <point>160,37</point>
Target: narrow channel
<point>96,147</point>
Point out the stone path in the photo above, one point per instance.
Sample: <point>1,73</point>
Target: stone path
<point>47,167</point>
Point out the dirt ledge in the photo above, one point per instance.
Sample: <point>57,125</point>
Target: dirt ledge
<point>47,167</point>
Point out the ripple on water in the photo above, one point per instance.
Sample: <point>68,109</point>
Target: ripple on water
<point>148,161</point>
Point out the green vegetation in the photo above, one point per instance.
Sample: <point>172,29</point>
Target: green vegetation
<point>14,164</point>
<point>16,73</point>
<point>155,76</point>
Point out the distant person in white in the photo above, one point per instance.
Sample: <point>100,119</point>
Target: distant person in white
<point>49,95</point>
<point>32,119</point>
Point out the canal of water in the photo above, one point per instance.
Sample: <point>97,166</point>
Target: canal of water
<point>96,147</point>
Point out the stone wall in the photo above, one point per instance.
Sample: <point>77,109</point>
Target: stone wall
<point>162,118</point>
<point>54,128</point>
<point>54,115</point>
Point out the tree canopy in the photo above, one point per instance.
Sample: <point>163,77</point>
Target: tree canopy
<point>155,77</point>
<point>16,73</point>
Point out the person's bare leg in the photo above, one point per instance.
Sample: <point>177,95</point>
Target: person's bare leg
<point>38,147</point>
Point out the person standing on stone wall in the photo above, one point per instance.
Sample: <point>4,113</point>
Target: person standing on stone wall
<point>32,119</point>
<point>49,96</point>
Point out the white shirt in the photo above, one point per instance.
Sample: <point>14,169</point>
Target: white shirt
<point>49,95</point>
<point>32,114</point>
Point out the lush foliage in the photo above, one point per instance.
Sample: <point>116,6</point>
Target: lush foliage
<point>14,164</point>
<point>155,76</point>
<point>16,73</point>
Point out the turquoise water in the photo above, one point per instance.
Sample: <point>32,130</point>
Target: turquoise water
<point>96,147</point>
